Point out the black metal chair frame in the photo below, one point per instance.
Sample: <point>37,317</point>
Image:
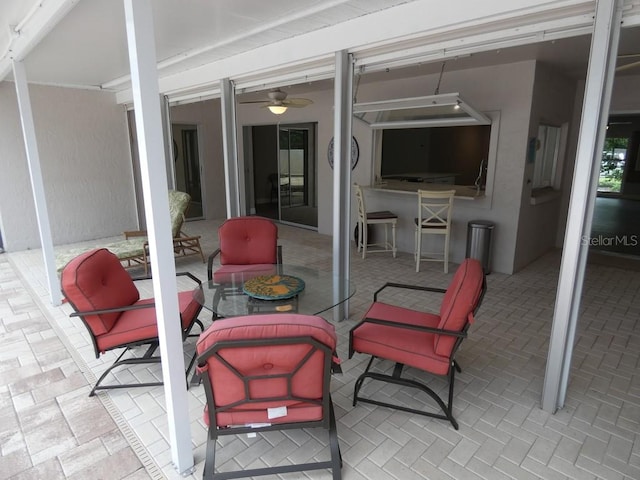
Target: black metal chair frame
<point>327,422</point>
<point>396,377</point>
<point>152,343</point>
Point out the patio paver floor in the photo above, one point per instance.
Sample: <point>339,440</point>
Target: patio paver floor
<point>49,428</point>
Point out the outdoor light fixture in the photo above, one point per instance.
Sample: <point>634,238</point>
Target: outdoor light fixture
<point>277,109</point>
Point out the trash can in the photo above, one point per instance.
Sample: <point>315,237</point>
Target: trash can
<point>479,242</point>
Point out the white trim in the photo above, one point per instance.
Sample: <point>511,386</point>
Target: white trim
<point>597,98</point>
<point>142,57</point>
<point>37,183</point>
<point>38,22</point>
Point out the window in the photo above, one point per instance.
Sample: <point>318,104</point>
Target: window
<point>612,164</point>
<point>456,155</point>
<point>547,152</point>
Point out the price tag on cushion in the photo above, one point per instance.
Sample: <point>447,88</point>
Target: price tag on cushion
<point>276,412</point>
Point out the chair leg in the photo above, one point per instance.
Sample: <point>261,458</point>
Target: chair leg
<point>365,239</point>
<point>334,445</point>
<point>446,253</point>
<point>146,358</point>
<point>418,252</point>
<point>397,379</point>
<point>393,239</point>
<point>210,458</point>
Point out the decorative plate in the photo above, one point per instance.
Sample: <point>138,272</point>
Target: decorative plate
<point>273,287</point>
<point>355,152</point>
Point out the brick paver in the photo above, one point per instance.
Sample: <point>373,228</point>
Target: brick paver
<point>503,432</point>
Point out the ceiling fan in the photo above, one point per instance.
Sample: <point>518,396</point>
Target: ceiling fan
<point>278,102</point>
<point>628,66</point>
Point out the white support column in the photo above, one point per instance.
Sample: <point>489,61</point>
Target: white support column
<point>342,121</point>
<point>37,185</point>
<point>144,76</point>
<point>168,142</point>
<point>595,111</point>
<point>230,147</point>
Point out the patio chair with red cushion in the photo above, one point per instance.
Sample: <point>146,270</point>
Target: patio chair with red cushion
<point>248,247</point>
<point>268,372</point>
<point>424,341</point>
<point>105,297</point>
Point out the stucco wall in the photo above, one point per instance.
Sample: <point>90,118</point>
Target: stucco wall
<point>86,166</point>
<point>206,115</point>
<point>505,91</point>
<point>553,99</point>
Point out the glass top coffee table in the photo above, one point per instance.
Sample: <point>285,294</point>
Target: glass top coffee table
<point>321,291</point>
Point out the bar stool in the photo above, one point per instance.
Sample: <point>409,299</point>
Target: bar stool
<point>365,218</point>
<point>434,218</point>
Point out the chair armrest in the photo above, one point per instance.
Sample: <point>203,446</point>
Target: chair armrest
<point>406,286</point>
<point>210,264</point>
<point>183,238</point>
<point>190,275</point>
<point>179,274</point>
<point>113,310</point>
<point>406,326</point>
<point>134,233</point>
<point>133,307</point>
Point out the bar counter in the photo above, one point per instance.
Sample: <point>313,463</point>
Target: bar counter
<point>463,192</point>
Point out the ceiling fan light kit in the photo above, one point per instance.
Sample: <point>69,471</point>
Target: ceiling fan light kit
<point>277,109</point>
<point>278,103</point>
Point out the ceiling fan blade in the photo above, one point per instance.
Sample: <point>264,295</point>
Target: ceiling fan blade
<point>629,55</point>
<point>628,66</point>
<point>255,101</point>
<point>297,102</point>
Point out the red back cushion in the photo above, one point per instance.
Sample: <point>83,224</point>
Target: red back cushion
<point>96,280</point>
<point>248,240</point>
<point>460,300</point>
<point>307,382</point>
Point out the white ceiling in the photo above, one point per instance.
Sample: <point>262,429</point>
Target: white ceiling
<point>87,46</point>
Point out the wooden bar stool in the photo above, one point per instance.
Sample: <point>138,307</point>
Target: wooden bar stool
<point>434,218</point>
<point>365,218</point>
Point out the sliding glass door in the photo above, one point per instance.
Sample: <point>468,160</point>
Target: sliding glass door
<point>296,167</point>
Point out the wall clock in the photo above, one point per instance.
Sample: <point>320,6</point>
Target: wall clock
<point>355,152</point>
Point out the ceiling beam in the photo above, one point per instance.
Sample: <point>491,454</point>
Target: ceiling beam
<point>32,29</point>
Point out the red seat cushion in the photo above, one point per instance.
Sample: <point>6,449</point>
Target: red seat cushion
<point>306,382</point>
<point>410,347</point>
<point>459,302</point>
<point>248,240</point>
<point>96,280</point>
<point>141,324</point>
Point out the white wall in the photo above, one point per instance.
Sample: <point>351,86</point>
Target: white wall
<point>206,115</point>
<point>86,166</point>
<point>553,99</point>
<point>506,91</point>
<point>321,111</point>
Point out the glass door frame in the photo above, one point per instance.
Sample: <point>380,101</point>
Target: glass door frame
<point>309,172</point>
